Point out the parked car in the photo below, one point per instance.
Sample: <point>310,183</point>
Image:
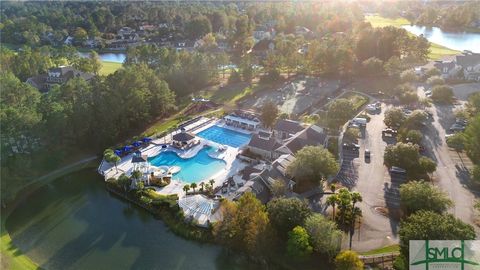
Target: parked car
<point>397,170</point>
<point>388,132</point>
<point>351,146</point>
<point>367,154</point>
<point>457,128</point>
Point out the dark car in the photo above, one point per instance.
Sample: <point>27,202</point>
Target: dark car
<point>367,154</point>
<point>397,170</point>
<point>351,146</point>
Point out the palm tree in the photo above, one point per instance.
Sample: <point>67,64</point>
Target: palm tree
<point>211,181</point>
<point>186,188</point>
<point>202,186</point>
<point>332,200</point>
<point>356,197</point>
<point>193,186</point>
<point>356,213</point>
<point>333,187</point>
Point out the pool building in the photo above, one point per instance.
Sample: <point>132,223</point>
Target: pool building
<point>216,152</point>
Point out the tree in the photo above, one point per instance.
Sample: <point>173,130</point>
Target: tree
<point>433,72</point>
<point>456,141</point>
<point>193,186</point>
<point>279,188</point>
<point>244,224</point>
<point>372,66</point>
<point>394,117</point>
<point>351,134</point>
<point>435,80</point>
<point>298,246</point>
<point>415,120</point>
<point>406,156</point>
<point>332,201</point>
<point>125,182</point>
<point>286,213</point>
<point>420,195</point>
<point>111,157</point>
<point>95,62</point>
<point>475,175</point>
<point>413,136</point>
<point>472,139</point>
<point>339,111</point>
<point>269,114</point>
<point>80,34</point>
<point>408,76</point>
<point>198,27</point>
<point>442,94</point>
<point>313,164</point>
<point>186,188</point>
<point>427,225</point>
<point>136,175</point>
<point>212,182</point>
<point>325,237</point>
<point>348,260</point>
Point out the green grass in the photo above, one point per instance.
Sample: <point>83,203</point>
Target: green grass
<point>162,126</point>
<point>436,51</point>
<point>386,249</point>
<point>379,21</point>
<point>356,99</point>
<point>11,257</point>
<point>109,67</point>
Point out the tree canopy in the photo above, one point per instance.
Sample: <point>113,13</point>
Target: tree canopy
<point>324,235</point>
<point>286,213</point>
<point>420,195</point>
<point>313,164</point>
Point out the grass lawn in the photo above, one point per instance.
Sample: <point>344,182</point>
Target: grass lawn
<point>163,125</point>
<point>12,258</point>
<point>436,51</point>
<point>379,21</point>
<point>386,249</point>
<point>356,99</point>
<point>109,67</point>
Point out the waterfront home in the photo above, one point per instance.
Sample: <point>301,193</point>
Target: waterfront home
<point>57,76</point>
<point>470,64</point>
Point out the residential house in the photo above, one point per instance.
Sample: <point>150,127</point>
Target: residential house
<point>470,64</point>
<point>310,136</point>
<point>263,32</point>
<point>449,69</point>
<point>264,145</point>
<point>271,147</point>
<point>125,31</point>
<point>261,48</point>
<point>261,183</point>
<point>285,128</point>
<point>57,76</point>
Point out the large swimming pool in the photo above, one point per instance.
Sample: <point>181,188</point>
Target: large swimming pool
<point>201,167</point>
<point>225,136</point>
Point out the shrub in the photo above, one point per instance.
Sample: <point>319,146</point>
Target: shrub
<point>435,80</point>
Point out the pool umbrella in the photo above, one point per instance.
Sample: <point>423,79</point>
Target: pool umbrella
<point>127,148</point>
<point>118,152</point>
<point>137,144</point>
<point>145,140</point>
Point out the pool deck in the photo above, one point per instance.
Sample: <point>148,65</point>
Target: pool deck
<point>232,168</point>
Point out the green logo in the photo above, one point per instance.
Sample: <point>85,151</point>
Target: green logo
<point>446,255</point>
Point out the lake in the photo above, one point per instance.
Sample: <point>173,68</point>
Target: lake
<point>74,223</point>
<point>108,57</point>
<point>454,40</point>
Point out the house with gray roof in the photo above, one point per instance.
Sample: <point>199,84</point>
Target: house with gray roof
<point>470,65</point>
<point>285,128</point>
<point>264,145</point>
<point>449,69</point>
<point>57,76</point>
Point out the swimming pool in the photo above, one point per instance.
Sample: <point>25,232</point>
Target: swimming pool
<point>225,136</point>
<point>201,167</point>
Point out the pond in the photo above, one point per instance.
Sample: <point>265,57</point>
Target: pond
<point>74,223</point>
<point>108,57</point>
<point>454,40</point>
